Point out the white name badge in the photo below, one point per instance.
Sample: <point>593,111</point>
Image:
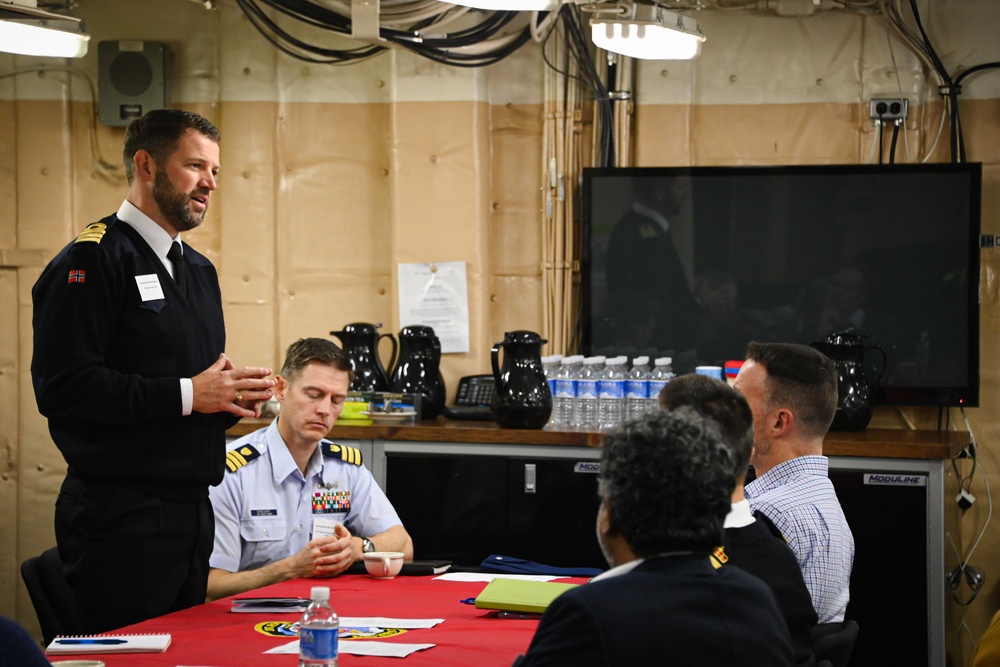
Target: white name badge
<point>149,287</point>
<point>324,526</point>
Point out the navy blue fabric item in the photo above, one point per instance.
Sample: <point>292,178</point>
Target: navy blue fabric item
<point>512,565</point>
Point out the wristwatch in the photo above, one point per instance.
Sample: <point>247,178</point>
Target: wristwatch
<point>367,546</point>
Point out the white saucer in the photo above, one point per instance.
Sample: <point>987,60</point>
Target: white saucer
<point>389,417</point>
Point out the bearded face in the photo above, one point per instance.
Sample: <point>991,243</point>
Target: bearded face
<point>176,206</point>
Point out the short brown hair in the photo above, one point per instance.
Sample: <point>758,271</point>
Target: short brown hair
<point>800,378</point>
<point>305,351</point>
<point>159,132</point>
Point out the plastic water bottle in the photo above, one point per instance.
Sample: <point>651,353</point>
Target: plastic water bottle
<point>585,410</point>
<point>551,366</point>
<point>564,395</point>
<point>662,373</point>
<point>318,631</point>
<point>611,394</point>
<point>637,388</point>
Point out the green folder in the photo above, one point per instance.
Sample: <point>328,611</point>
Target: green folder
<point>520,595</point>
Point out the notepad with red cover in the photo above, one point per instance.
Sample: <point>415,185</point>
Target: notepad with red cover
<point>522,595</point>
<point>65,644</point>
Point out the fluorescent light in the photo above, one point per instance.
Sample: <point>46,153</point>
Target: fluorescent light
<point>510,5</point>
<point>29,31</point>
<point>651,33</point>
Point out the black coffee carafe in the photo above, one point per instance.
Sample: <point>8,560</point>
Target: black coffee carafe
<point>360,342</point>
<point>856,393</point>
<point>419,369</point>
<point>522,398</point>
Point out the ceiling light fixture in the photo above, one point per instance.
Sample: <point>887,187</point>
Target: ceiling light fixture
<point>29,31</point>
<point>510,5</point>
<point>648,32</point>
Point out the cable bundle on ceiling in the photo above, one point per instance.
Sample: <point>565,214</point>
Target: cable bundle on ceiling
<point>448,34</point>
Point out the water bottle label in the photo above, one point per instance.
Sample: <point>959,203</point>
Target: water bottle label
<point>637,389</point>
<point>565,388</point>
<point>611,389</point>
<point>655,386</point>
<point>586,388</point>
<point>318,643</point>
<point>552,386</point>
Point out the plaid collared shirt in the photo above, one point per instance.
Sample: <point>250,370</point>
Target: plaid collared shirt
<point>799,498</point>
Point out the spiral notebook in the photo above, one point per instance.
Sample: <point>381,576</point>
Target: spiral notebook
<point>64,644</point>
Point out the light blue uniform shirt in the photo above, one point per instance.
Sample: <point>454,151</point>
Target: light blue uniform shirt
<point>798,497</point>
<point>264,510</point>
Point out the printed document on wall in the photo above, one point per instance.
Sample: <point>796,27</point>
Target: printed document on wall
<point>436,295</point>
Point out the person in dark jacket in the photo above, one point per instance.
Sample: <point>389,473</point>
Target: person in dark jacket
<point>129,367</point>
<point>665,487</point>
<point>751,541</point>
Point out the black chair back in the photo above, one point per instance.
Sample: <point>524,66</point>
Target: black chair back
<point>833,642</point>
<point>53,599</point>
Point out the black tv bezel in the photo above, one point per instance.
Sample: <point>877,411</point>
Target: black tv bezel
<point>967,396</point>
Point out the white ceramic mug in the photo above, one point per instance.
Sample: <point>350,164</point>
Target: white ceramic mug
<point>384,564</point>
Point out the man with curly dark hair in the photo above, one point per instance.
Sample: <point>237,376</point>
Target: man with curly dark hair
<point>666,481</point>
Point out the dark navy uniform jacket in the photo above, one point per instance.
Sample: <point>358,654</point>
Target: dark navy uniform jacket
<point>108,360</point>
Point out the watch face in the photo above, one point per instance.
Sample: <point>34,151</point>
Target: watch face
<point>368,545</point>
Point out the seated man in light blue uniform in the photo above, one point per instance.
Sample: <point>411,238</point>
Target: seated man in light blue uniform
<point>283,476</point>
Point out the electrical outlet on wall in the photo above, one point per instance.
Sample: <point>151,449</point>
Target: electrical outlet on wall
<point>888,108</point>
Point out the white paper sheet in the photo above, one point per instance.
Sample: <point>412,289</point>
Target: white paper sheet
<point>490,576</point>
<point>363,647</point>
<point>385,622</point>
<point>436,295</point>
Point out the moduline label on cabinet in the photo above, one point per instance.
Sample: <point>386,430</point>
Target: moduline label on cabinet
<point>587,466</point>
<point>894,479</point>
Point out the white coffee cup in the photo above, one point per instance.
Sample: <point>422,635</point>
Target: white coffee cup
<point>384,564</point>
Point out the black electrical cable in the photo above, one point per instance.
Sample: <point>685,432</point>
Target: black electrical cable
<point>881,135</point>
<point>892,146</point>
<point>580,46</point>
<point>952,91</point>
<point>973,70</point>
<point>577,49</point>
<point>439,49</point>
<point>284,42</point>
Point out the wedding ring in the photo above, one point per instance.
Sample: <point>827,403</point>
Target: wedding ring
<point>239,397</point>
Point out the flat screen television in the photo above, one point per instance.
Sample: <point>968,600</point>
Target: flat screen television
<point>695,262</point>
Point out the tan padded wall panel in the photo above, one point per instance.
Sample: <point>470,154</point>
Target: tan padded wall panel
<point>441,207</point>
<point>516,223</point>
<point>10,447</point>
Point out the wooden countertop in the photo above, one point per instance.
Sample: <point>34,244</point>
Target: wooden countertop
<point>874,442</point>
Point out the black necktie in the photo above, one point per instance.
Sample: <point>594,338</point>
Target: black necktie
<point>176,257</point>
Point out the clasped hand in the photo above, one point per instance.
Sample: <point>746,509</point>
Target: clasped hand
<point>224,388</point>
<point>326,556</point>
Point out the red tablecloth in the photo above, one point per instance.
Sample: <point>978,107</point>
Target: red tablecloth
<point>210,635</point>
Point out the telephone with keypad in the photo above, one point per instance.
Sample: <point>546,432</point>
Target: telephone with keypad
<point>472,399</point>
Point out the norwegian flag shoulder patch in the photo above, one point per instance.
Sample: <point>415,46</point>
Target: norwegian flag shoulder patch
<point>77,276</point>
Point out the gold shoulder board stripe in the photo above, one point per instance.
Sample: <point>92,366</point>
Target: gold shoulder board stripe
<point>719,557</point>
<point>93,233</point>
<point>346,454</point>
<point>238,458</point>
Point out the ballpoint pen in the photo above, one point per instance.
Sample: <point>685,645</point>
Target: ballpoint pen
<point>96,640</point>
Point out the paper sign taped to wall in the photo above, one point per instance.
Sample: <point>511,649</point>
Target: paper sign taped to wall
<point>436,295</point>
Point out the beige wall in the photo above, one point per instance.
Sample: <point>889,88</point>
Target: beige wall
<point>334,175</point>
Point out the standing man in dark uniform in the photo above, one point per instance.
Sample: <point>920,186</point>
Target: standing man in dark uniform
<point>130,369</point>
<point>647,285</point>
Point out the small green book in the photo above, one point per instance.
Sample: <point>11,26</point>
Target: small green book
<point>520,595</point>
